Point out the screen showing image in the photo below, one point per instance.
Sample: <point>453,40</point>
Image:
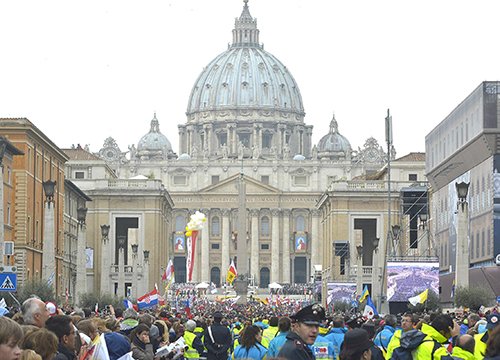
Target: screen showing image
<point>406,279</point>
<point>344,292</point>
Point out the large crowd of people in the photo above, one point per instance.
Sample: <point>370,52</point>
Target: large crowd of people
<point>218,330</point>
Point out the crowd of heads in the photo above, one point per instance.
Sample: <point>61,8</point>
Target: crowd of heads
<point>34,333</point>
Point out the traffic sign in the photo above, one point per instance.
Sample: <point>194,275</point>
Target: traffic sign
<point>8,282</point>
<point>498,300</point>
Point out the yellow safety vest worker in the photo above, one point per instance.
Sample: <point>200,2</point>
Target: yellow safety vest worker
<point>480,347</point>
<point>190,352</point>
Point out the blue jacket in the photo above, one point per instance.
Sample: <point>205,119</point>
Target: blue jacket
<point>384,337</point>
<point>256,352</point>
<point>336,338</point>
<point>322,348</point>
<point>276,344</point>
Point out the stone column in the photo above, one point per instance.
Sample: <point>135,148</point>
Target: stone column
<point>105,264</point>
<point>375,279</point>
<point>462,256</point>
<point>209,139</point>
<point>254,262</point>
<point>315,243</point>
<point>225,244</point>
<point>81,271</point>
<point>229,140</point>
<point>49,236</point>
<point>286,246</point>
<point>275,245</point>
<point>205,248</point>
<point>121,273</point>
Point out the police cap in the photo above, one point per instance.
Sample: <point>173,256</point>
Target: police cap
<point>311,315</point>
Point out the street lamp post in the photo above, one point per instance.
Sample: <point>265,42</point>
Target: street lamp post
<point>3,146</point>
<point>122,241</point>
<point>359,275</point>
<point>375,276</point>
<point>49,233</point>
<point>462,255</point>
<point>81,243</point>
<point>135,279</point>
<point>105,258</point>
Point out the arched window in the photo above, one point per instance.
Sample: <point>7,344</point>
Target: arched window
<point>300,223</point>
<point>264,226</point>
<point>215,226</point>
<point>180,223</point>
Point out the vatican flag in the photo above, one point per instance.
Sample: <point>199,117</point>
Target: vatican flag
<point>231,273</point>
<point>419,299</point>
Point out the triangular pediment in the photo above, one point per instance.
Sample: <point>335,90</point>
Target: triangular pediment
<point>230,186</point>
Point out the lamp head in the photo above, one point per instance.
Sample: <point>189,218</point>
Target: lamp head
<point>105,231</point>
<point>395,231</point>
<point>462,190</point>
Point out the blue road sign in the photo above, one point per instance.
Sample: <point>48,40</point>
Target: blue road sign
<point>354,304</point>
<point>8,282</point>
<point>498,299</point>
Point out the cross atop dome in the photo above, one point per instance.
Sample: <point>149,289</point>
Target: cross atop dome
<point>245,33</point>
<point>334,126</point>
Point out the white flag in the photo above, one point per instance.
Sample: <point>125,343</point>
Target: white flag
<point>89,258</point>
<point>3,303</point>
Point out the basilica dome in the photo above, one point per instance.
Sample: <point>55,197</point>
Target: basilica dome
<point>154,139</point>
<point>333,141</point>
<point>245,76</point>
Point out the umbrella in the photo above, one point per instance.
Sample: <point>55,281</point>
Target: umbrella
<point>275,285</point>
<point>202,285</point>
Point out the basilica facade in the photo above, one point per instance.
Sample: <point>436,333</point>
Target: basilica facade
<point>245,119</point>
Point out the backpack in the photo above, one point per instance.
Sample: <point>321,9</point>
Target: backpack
<point>409,342</point>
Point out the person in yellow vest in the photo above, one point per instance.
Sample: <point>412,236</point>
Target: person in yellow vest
<point>407,323</point>
<point>441,329</point>
<point>481,339</point>
<point>270,332</point>
<point>464,347</point>
<point>193,343</point>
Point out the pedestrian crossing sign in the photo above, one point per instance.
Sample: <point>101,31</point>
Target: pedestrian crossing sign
<point>8,282</point>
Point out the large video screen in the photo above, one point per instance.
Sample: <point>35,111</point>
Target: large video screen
<point>404,279</point>
<point>344,292</point>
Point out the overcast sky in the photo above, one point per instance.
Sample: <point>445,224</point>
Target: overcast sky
<point>83,71</point>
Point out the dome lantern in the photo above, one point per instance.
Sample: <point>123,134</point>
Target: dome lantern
<point>245,31</point>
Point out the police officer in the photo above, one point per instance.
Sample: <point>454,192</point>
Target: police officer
<point>217,339</point>
<point>305,328</point>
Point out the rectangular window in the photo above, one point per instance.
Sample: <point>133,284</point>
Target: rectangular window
<point>412,177</point>
<point>265,179</point>
<point>483,245</point>
<point>215,246</point>
<point>180,180</point>
<point>472,246</point>
<point>8,174</point>
<point>266,141</point>
<point>300,180</point>
<point>8,214</point>
<point>215,179</point>
<point>79,175</point>
<point>264,246</point>
<point>466,129</point>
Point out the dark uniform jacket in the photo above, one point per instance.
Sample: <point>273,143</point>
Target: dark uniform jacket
<point>217,349</point>
<point>295,348</point>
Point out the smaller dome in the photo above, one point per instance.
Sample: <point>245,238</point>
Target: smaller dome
<point>299,157</point>
<point>333,141</point>
<point>184,157</point>
<point>154,140</point>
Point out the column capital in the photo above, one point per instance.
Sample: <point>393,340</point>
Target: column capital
<point>225,212</point>
<point>254,212</point>
<point>315,212</point>
<point>206,212</point>
<point>275,212</point>
<point>287,212</point>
